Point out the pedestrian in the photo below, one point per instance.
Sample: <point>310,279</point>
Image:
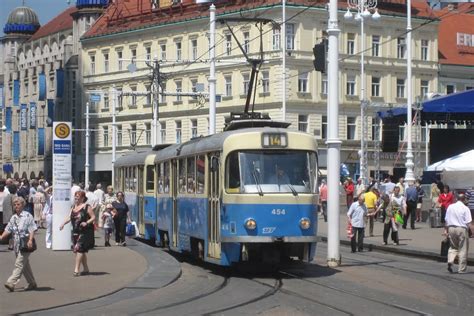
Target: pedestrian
<point>8,208</point>
<point>349,189</point>
<point>75,187</point>
<point>411,196</point>
<point>108,220</point>
<point>389,186</point>
<point>2,197</point>
<point>356,215</point>
<point>93,200</point>
<point>370,200</point>
<point>110,195</point>
<point>121,217</point>
<point>22,226</point>
<point>82,219</point>
<point>48,217</point>
<point>435,192</point>
<point>99,193</point>
<point>323,199</point>
<point>39,200</point>
<point>419,204</point>
<point>458,218</point>
<point>445,199</point>
<point>360,187</point>
<point>401,184</point>
<point>24,192</point>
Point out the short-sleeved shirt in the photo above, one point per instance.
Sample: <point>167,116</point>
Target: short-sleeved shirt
<point>458,215</point>
<point>108,220</point>
<point>356,213</point>
<point>121,207</point>
<point>20,226</point>
<point>370,199</point>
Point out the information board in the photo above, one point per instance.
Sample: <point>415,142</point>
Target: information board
<point>62,179</point>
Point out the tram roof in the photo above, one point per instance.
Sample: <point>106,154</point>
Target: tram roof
<point>207,143</point>
<point>132,159</point>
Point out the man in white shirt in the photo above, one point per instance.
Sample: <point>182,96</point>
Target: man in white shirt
<point>458,217</point>
<point>356,213</point>
<point>99,193</point>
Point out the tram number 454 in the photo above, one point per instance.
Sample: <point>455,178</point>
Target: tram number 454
<point>277,211</point>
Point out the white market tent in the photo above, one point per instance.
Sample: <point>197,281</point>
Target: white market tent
<point>457,171</point>
<point>461,162</point>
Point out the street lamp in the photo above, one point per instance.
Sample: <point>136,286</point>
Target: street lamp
<point>409,176</point>
<point>363,8</point>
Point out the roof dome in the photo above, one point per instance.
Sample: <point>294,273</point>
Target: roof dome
<point>91,3</point>
<point>22,20</point>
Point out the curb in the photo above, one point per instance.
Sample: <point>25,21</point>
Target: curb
<point>402,251</point>
<point>162,270</point>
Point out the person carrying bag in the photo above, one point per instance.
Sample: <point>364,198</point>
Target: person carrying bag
<point>22,226</point>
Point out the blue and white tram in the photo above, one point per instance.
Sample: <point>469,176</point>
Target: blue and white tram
<point>238,195</point>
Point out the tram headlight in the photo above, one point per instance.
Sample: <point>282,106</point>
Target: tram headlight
<point>250,224</point>
<point>305,223</point>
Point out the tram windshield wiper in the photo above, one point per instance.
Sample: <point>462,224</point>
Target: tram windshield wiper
<point>255,177</point>
<point>292,188</point>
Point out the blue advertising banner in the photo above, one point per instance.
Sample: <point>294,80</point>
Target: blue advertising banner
<point>16,145</point>
<point>32,115</point>
<point>8,120</point>
<point>59,83</point>
<point>50,118</point>
<point>2,96</point>
<point>41,140</point>
<point>42,87</point>
<point>16,92</point>
<point>23,117</point>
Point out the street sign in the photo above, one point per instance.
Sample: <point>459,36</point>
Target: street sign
<point>62,176</point>
<point>94,98</point>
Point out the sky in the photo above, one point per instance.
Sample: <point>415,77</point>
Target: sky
<point>45,9</point>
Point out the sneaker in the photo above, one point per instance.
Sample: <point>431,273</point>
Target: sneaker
<point>124,244</point>
<point>385,243</point>
<point>450,267</point>
<point>116,244</point>
<point>30,287</point>
<point>462,272</point>
<point>10,287</point>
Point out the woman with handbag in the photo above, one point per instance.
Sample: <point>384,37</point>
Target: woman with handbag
<point>82,218</point>
<point>22,226</point>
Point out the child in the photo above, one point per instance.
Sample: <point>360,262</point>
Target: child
<point>107,218</point>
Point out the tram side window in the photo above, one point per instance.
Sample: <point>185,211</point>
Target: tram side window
<point>233,171</point>
<point>150,178</point>
<point>134,180</point>
<point>127,177</point>
<point>200,174</point>
<point>182,175</point>
<point>159,172</point>
<point>191,178</point>
<point>166,177</point>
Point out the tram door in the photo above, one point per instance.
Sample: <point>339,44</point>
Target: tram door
<point>141,200</point>
<point>174,198</point>
<point>214,223</point>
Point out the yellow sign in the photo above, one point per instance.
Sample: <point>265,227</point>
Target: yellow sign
<point>62,130</point>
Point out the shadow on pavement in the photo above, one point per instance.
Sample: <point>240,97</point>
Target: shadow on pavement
<point>43,289</point>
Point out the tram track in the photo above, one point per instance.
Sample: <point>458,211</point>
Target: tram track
<point>385,265</point>
<point>346,292</point>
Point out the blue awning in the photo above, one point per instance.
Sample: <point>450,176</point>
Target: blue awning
<point>455,106</point>
<point>461,102</point>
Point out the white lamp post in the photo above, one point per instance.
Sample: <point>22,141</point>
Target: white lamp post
<point>409,176</point>
<point>363,8</point>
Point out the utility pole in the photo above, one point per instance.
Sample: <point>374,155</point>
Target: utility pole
<point>333,142</point>
<point>114,132</point>
<point>156,135</point>
<point>86,165</point>
<point>212,70</point>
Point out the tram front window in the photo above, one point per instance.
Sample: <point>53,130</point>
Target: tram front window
<point>271,172</point>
